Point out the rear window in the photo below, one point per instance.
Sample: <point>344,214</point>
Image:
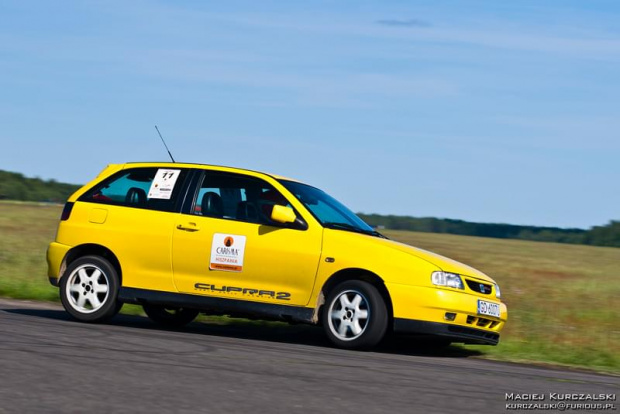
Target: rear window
<point>147,188</point>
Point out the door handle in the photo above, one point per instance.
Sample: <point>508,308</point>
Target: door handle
<point>188,227</point>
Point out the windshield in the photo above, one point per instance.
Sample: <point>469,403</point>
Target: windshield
<point>329,211</point>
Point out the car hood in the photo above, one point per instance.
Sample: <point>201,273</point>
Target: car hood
<point>444,263</point>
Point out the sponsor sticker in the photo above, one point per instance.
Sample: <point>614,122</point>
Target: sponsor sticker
<point>227,252</point>
<point>163,183</point>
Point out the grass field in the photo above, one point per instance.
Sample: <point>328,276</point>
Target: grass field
<point>25,231</point>
<point>562,299</point>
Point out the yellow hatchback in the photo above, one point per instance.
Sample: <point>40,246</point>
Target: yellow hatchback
<point>181,239</point>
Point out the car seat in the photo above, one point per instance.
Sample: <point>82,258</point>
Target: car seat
<point>136,197</point>
<point>212,205</point>
<point>247,211</point>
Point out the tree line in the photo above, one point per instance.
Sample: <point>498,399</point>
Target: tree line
<point>15,186</point>
<point>607,235</point>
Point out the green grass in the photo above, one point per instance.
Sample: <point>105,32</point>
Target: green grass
<point>25,231</point>
<point>562,299</point>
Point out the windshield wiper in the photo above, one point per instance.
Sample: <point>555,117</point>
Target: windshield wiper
<point>349,227</point>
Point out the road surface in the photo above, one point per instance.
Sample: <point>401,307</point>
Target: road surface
<point>49,363</point>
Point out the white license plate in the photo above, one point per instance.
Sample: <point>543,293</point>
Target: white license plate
<point>488,308</point>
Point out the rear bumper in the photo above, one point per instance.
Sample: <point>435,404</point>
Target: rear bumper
<point>56,253</point>
<point>454,333</point>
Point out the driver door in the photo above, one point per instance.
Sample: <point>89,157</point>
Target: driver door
<point>228,247</point>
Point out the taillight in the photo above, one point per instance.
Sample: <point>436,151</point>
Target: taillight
<point>66,212</point>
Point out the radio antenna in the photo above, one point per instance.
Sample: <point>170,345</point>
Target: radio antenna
<point>162,140</point>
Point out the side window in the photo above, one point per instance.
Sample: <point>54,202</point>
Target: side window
<point>148,188</point>
<point>237,197</point>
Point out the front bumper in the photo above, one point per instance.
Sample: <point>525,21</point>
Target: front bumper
<point>454,333</point>
<point>422,310</point>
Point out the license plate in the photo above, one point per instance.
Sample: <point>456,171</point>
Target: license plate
<point>488,308</point>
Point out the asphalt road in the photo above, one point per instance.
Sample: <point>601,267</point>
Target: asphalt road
<point>49,363</point>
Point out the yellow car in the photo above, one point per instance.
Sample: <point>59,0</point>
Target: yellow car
<point>181,239</point>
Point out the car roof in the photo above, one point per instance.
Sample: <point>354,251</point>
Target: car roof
<point>208,166</point>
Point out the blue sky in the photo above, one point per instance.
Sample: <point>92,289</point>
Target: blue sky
<point>480,110</point>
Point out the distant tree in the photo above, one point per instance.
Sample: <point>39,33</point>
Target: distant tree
<point>15,186</point>
<point>608,235</point>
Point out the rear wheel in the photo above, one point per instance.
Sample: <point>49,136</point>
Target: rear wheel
<point>170,316</point>
<point>355,315</point>
<point>89,289</point>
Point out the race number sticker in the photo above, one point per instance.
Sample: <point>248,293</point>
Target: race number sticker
<point>227,252</point>
<point>163,184</point>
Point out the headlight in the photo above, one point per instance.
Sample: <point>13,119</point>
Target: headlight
<point>498,294</point>
<point>447,279</point>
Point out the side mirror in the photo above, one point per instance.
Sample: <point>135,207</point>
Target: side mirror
<point>282,214</point>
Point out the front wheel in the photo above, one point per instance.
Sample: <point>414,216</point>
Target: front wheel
<point>355,315</point>
<point>168,316</point>
<point>89,289</point>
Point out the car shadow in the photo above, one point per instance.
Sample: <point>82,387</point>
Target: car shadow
<point>278,332</point>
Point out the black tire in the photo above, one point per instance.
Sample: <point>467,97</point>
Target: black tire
<point>355,315</point>
<point>169,316</point>
<point>89,289</point>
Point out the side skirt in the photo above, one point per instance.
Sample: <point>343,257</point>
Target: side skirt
<point>218,306</point>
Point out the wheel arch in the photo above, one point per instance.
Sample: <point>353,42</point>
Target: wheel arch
<point>88,249</point>
<point>354,274</point>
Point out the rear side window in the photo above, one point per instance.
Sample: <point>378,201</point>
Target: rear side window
<point>148,188</point>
